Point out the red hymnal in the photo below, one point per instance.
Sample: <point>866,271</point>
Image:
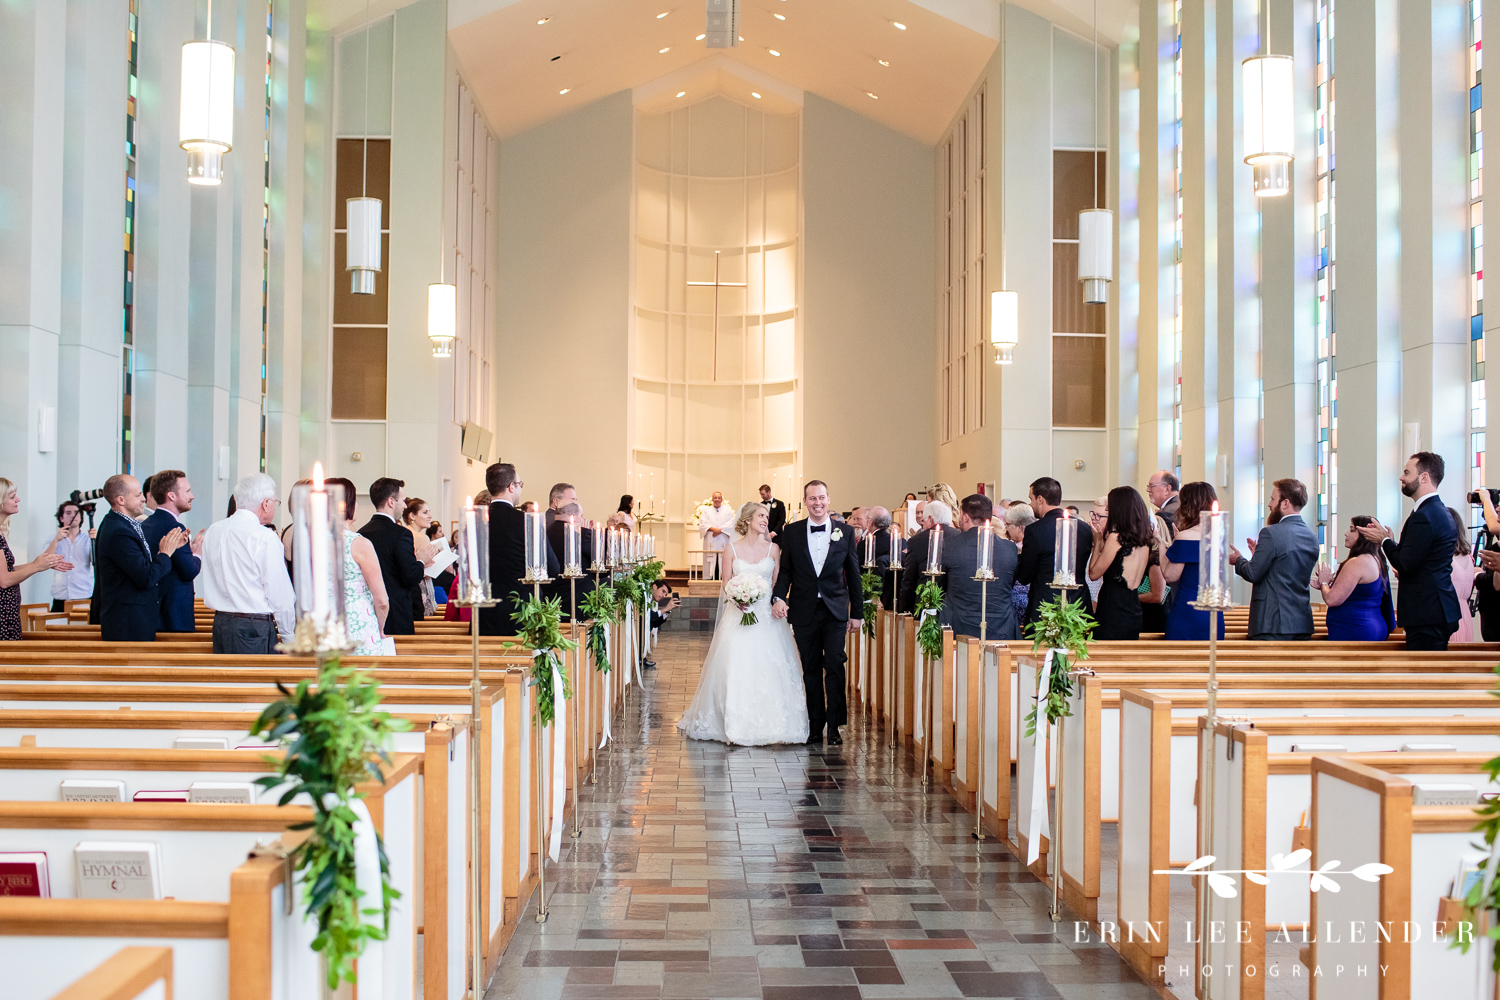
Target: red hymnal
<point>160,795</point>
<point>24,873</point>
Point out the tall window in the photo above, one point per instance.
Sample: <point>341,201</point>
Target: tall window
<point>962,365</point>
<point>1326,315</point>
<point>1476,247</point>
<point>360,322</point>
<point>265,248</point>
<point>1079,393</point>
<point>1177,245</point>
<point>127,353</point>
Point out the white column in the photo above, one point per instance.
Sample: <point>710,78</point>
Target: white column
<point>1126,177</point>
<point>1200,237</point>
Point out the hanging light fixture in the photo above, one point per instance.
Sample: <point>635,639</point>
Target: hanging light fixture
<point>1268,117</point>
<point>362,225</point>
<point>1005,325</point>
<point>205,123</point>
<point>442,318</point>
<point>1096,226</point>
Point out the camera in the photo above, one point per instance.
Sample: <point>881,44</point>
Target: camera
<point>79,496</point>
<point>1494,498</point>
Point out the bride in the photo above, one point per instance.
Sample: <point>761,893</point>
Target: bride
<point>750,692</point>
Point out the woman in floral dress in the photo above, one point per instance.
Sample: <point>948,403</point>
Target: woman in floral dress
<point>365,600</point>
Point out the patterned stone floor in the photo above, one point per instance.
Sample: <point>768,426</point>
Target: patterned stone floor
<point>785,874</point>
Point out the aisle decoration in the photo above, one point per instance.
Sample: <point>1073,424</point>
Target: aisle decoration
<point>870,584</point>
<point>601,610</point>
<point>1062,628</point>
<point>743,591</point>
<point>929,632</point>
<point>539,628</point>
<point>335,733</point>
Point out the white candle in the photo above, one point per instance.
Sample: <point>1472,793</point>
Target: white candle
<point>572,547</point>
<point>898,545</point>
<point>1064,558</point>
<point>320,547</point>
<point>984,541</point>
<point>935,549</point>
<point>471,545</point>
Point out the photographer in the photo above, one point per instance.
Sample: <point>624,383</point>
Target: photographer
<point>666,603</point>
<point>75,546</point>
<point>1487,583</point>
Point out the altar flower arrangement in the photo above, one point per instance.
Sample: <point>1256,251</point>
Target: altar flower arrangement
<point>743,591</point>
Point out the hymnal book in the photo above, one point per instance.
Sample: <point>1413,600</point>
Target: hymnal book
<point>1428,748</point>
<point>200,743</point>
<point>94,790</point>
<point>160,795</point>
<point>24,873</point>
<point>267,747</point>
<point>1318,748</point>
<point>222,791</point>
<point>1444,793</point>
<point>110,869</point>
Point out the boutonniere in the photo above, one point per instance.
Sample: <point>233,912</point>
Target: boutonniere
<point>837,534</point>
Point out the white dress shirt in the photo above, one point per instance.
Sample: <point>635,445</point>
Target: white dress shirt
<point>818,542</point>
<point>78,582</point>
<point>1419,500</point>
<point>244,570</point>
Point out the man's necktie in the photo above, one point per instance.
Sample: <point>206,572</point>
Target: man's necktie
<point>818,527</point>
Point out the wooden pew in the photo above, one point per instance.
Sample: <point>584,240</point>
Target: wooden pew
<point>132,973</point>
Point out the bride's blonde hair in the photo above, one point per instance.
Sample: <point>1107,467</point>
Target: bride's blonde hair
<point>747,511</point>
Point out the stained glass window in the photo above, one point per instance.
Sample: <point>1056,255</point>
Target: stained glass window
<point>127,353</point>
<point>1327,283</point>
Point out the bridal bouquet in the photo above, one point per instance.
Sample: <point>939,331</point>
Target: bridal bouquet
<point>743,591</point>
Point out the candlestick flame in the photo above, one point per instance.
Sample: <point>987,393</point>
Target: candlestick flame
<point>468,502</point>
<point>317,477</point>
<point>1215,507</point>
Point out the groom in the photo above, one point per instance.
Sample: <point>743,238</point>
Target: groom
<point>820,568</point>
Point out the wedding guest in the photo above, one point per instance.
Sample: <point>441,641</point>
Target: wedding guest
<point>1463,579</point>
<point>417,518</point>
<point>442,584</point>
<point>1359,594</point>
<point>945,493</point>
<point>74,546</point>
<point>558,497</point>
<point>128,568</point>
<point>571,513</point>
<point>937,517</point>
<point>1280,567</point>
<point>507,551</point>
<point>1162,491</point>
<point>913,521</point>
<point>1017,516</point>
<point>716,528</point>
<point>776,509</point>
<point>13,576</point>
<point>964,593</point>
<point>366,603</point>
<point>396,549</point>
<point>1035,566</point>
<point>1181,570</point>
<point>878,520</point>
<point>1098,515</point>
<point>244,576</point>
<point>174,497</point>
<point>1124,554</point>
<point>529,507</point>
<point>1426,603</point>
<point>625,513</point>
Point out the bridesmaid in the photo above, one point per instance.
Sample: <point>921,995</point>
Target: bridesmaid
<point>1124,553</point>
<point>1463,579</point>
<point>1183,620</point>
<point>1359,594</point>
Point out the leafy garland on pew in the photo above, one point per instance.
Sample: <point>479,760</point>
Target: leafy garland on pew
<point>1485,895</point>
<point>929,632</point>
<point>870,583</point>
<point>338,734</point>
<point>539,628</point>
<point>601,609</point>
<point>1062,625</point>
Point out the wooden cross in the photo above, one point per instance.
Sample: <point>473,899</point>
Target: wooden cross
<point>716,284</point>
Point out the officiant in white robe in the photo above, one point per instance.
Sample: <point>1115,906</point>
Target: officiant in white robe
<point>716,526</point>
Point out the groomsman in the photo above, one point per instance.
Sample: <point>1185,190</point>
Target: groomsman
<point>396,550</point>
<point>1280,567</point>
<point>777,509</point>
<point>507,550</point>
<point>716,525</point>
<point>128,569</point>
<point>174,497</point>
<point>1039,544</point>
<point>963,591</point>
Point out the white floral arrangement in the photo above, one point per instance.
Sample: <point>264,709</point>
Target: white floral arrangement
<point>743,591</point>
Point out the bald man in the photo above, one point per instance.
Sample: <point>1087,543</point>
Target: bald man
<point>128,571</point>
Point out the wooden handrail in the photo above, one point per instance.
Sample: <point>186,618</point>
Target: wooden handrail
<point>122,976</point>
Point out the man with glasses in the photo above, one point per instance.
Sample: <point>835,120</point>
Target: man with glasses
<point>507,550</point>
<point>1161,490</point>
<point>244,573</point>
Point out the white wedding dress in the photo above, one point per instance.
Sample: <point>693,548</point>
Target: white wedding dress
<point>750,692</point>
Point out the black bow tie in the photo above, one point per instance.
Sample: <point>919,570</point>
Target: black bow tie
<point>817,527</point>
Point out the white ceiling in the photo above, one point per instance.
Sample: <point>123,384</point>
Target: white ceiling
<point>831,48</point>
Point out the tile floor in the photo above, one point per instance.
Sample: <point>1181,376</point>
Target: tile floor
<point>706,871</point>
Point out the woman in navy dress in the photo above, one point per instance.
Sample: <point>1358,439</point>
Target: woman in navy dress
<point>1359,594</point>
<point>1183,620</point>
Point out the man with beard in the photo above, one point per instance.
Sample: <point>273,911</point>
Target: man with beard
<point>1426,603</point>
<point>1280,567</point>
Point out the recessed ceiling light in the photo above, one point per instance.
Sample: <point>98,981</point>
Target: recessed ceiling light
<point>564,90</point>
<point>742,38</point>
<point>773,52</point>
<point>663,51</point>
<point>873,97</point>
<point>682,93</point>
<point>898,24</point>
<point>700,38</point>
<point>779,17</point>
<point>662,14</point>
<point>754,95</point>
<point>543,20</point>
<point>883,62</point>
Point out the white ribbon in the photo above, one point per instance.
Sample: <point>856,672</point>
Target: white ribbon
<point>367,880</point>
<point>1037,821</point>
<point>632,660</point>
<point>607,707</point>
<point>559,762</point>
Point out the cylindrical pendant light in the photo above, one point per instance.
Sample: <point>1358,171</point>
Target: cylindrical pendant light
<point>1005,325</point>
<point>1268,122</point>
<point>1096,253</point>
<point>205,121</point>
<point>442,318</point>
<point>362,251</point>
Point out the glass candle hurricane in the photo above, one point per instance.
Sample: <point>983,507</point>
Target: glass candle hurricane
<point>984,552</point>
<point>598,563</point>
<point>536,549</point>
<point>1064,552</point>
<point>898,545</point>
<point>472,545</point>
<point>1213,560</point>
<point>572,549</point>
<point>934,551</point>
<point>318,562</point>
<point>870,562</point>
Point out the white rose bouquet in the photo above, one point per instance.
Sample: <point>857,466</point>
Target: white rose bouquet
<point>743,591</point>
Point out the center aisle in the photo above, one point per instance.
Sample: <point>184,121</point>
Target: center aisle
<point>707,871</point>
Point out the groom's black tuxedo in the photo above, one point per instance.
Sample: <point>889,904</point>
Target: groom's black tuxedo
<point>819,606</point>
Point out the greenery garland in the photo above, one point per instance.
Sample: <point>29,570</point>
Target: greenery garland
<point>539,627</point>
<point>1062,625</point>
<point>870,583</point>
<point>601,610</point>
<point>1483,898</point>
<point>929,632</point>
<point>628,588</point>
<point>648,573</point>
<point>337,733</point>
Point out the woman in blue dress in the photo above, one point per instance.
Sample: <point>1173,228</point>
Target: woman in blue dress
<point>1183,620</point>
<point>1359,594</point>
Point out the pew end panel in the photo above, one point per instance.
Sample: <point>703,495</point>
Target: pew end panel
<point>1143,897</point>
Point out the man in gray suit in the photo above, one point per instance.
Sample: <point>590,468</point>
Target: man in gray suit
<point>1280,567</point>
<point>959,557</point>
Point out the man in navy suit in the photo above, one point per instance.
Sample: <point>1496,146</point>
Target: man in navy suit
<point>1426,603</point>
<point>127,570</point>
<point>174,497</point>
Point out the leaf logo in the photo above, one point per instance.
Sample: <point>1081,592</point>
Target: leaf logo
<point>1223,885</point>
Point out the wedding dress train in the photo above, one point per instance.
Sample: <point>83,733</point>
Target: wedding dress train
<point>750,692</point>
